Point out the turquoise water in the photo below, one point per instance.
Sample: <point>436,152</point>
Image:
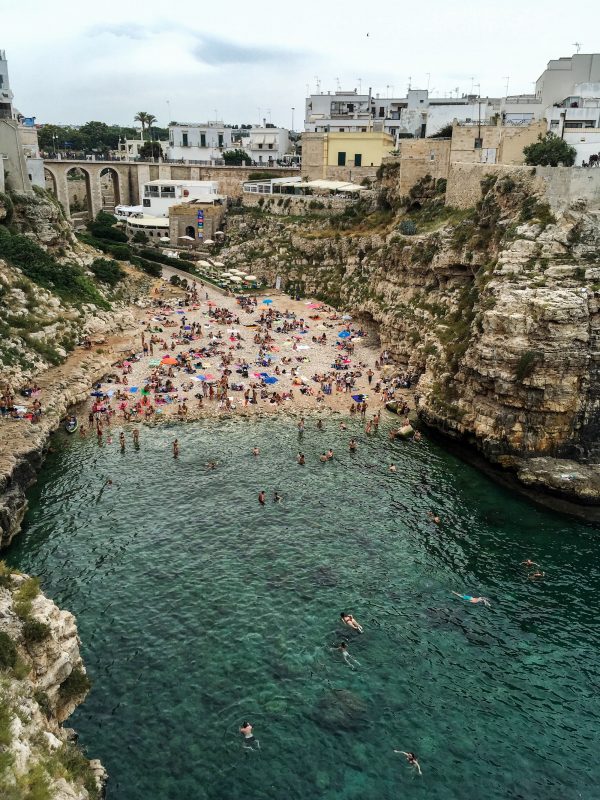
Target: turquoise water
<point>199,609</point>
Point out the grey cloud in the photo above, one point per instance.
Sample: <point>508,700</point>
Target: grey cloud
<point>125,30</point>
<point>212,50</point>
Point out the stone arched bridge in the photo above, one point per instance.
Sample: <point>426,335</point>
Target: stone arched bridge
<point>128,178</point>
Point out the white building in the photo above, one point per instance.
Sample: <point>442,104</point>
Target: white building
<point>577,120</point>
<point>198,142</point>
<point>560,77</point>
<point>267,145</point>
<point>158,196</point>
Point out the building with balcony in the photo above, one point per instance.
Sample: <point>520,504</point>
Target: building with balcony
<point>267,145</point>
<point>197,142</point>
<point>577,120</point>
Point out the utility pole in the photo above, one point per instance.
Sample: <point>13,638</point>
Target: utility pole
<point>359,85</point>
<point>507,79</point>
<point>577,45</point>
<point>293,109</point>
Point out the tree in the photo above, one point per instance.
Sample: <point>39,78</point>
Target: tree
<point>236,157</point>
<point>443,133</point>
<point>150,150</point>
<point>145,119</point>
<point>549,151</point>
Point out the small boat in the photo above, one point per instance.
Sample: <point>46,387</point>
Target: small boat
<point>71,425</point>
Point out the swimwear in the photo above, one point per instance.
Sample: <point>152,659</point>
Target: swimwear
<point>467,597</point>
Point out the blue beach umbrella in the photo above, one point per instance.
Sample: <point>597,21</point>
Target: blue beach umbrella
<point>267,302</point>
<point>358,397</point>
<point>344,335</point>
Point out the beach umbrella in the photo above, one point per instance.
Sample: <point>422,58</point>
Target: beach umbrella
<point>250,278</point>
<point>207,241</point>
<point>346,316</point>
<point>344,335</point>
<point>209,377</point>
<point>199,377</point>
<point>133,389</point>
<point>267,302</point>
<point>187,327</point>
<point>164,239</point>
<point>303,347</point>
<point>169,360</point>
<point>186,238</point>
<point>358,397</point>
<point>236,279</point>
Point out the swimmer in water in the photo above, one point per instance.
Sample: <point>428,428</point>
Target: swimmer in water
<point>329,454</point>
<point>319,424</point>
<point>352,446</point>
<point>277,497</point>
<point>470,599</point>
<point>434,518</point>
<point>412,760</point>
<point>529,563</point>
<point>249,740</point>
<point>349,620</point>
<point>122,441</point>
<point>350,660</point>
<point>255,451</point>
<point>392,468</point>
<point>343,426</point>
<point>176,448</point>
<point>323,458</point>
<point>301,459</point>
<point>535,575</point>
<point>262,498</point>
<point>211,464</point>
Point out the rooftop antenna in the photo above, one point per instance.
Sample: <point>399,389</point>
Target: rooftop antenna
<point>457,90</point>
<point>387,90</point>
<point>428,79</point>
<point>409,80</point>
<point>359,85</point>
<point>472,83</point>
<point>318,82</point>
<point>577,45</point>
<point>507,79</point>
<point>338,84</point>
<point>307,90</point>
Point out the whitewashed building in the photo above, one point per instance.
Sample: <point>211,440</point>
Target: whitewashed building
<point>197,142</point>
<point>158,196</point>
<point>267,145</point>
<point>577,120</point>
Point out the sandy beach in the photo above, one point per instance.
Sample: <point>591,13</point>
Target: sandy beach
<point>214,333</point>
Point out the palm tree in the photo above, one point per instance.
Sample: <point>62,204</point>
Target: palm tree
<point>145,119</point>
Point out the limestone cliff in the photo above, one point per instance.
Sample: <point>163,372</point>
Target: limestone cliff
<point>494,309</point>
<point>54,290</point>
<point>42,680</point>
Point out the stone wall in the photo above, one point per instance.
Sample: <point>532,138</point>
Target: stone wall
<point>565,185</point>
<point>420,157</point>
<point>288,204</point>
<point>464,181</point>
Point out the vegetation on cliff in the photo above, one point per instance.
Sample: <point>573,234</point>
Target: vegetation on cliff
<point>37,761</point>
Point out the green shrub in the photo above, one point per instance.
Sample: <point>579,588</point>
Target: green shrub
<point>25,595</point>
<point>120,251</point>
<point>175,280</point>
<point>8,652</point>
<point>407,227</point>
<point>68,761</point>
<point>35,631</point>
<point>39,266</point>
<point>43,701</point>
<point>107,271</point>
<point>5,576</point>
<point>527,363</point>
<point>75,685</point>
<point>140,237</point>
<point>150,267</point>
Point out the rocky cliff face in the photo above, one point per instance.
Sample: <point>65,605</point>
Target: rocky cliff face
<point>496,310</point>
<point>42,680</point>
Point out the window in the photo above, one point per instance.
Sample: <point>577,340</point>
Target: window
<point>260,147</point>
<point>146,202</point>
<point>478,143</point>
<point>202,140</point>
<point>270,147</point>
<point>358,159</point>
<point>341,159</point>
<point>220,140</point>
<point>381,111</point>
<point>363,130</point>
<point>350,107</point>
<point>184,139</point>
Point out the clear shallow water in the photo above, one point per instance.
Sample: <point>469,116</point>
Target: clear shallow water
<point>198,609</point>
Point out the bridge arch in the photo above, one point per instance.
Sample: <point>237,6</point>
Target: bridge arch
<point>110,188</point>
<point>79,193</point>
<point>50,181</point>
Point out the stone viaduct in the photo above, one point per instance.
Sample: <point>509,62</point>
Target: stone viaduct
<point>128,178</point>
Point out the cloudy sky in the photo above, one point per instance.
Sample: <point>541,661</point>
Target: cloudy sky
<point>240,60</point>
